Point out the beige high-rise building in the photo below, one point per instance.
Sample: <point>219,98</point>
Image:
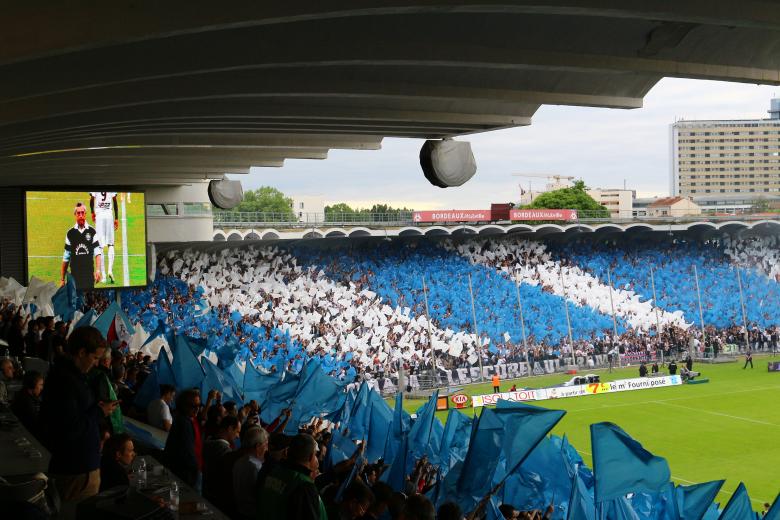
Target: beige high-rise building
<point>728,164</point>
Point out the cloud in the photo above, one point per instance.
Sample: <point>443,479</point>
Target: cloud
<point>601,146</point>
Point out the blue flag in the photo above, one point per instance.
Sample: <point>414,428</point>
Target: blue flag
<point>400,425</point>
<point>738,507</point>
<point>186,368</point>
<point>317,395</point>
<point>581,504</point>
<point>617,509</point>
<point>160,331</point>
<point>257,384</point>
<point>279,397</point>
<point>104,321</point>
<point>149,391</point>
<point>66,300</point>
<point>165,374</point>
<point>379,428</point>
<point>694,500</point>
<point>540,480</point>
<point>510,432</point>
<point>395,476</point>
<point>621,465</point>
<point>360,414</point>
<point>86,320</point>
<point>420,434</point>
<point>455,439</point>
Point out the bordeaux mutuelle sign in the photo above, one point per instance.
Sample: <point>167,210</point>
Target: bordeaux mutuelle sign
<point>559,392</point>
<point>543,214</point>
<point>485,215</point>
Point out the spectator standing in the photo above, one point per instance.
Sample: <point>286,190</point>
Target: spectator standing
<point>184,447</point>
<point>70,417</point>
<point>158,413</point>
<point>103,387</point>
<point>214,450</point>
<point>254,445</point>
<point>288,490</point>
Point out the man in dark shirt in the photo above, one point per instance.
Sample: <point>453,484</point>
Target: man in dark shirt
<point>83,252</point>
<point>288,490</point>
<point>70,417</point>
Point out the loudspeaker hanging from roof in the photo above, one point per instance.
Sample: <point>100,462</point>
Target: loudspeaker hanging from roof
<point>225,194</point>
<point>447,163</point>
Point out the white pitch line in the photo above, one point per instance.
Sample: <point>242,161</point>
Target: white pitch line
<point>125,262</point>
<point>717,413</point>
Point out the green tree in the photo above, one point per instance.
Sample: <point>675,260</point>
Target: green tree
<point>574,197</point>
<point>341,207</point>
<point>268,200</point>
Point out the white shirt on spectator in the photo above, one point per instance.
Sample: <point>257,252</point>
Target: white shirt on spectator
<point>157,412</point>
<point>244,478</point>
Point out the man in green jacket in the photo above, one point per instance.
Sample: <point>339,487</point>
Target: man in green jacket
<point>288,490</point>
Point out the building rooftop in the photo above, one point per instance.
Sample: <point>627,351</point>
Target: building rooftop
<point>666,201</point>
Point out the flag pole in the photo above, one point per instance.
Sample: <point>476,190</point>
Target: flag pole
<point>742,304</point>
<point>701,312</point>
<point>522,319</point>
<point>657,319</point>
<point>568,320</point>
<point>476,329</point>
<point>430,334</point>
<point>614,319</point>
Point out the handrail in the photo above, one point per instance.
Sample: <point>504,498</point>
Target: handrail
<point>231,219</point>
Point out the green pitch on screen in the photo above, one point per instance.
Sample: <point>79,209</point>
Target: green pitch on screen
<point>50,215</point>
<point>727,428</point>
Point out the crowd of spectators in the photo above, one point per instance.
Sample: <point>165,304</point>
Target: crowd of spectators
<point>245,467</point>
<point>365,314</point>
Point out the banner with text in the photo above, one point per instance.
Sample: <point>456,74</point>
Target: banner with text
<point>455,215</point>
<point>543,214</point>
<point>560,392</point>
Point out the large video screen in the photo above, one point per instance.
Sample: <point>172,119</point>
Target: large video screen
<point>97,237</point>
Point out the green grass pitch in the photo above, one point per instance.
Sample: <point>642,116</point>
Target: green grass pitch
<point>728,428</point>
<point>50,215</point>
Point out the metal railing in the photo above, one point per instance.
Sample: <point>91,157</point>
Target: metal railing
<point>236,219</point>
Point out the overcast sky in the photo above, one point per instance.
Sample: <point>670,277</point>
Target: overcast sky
<point>601,146</point>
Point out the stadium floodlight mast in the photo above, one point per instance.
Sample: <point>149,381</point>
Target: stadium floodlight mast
<point>476,330</point>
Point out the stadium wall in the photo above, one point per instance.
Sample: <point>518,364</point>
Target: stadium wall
<point>192,220</point>
<point>12,240</point>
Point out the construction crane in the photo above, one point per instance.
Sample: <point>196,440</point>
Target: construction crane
<point>555,181</point>
<point>545,176</point>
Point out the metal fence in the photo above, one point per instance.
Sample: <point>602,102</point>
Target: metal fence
<point>237,219</point>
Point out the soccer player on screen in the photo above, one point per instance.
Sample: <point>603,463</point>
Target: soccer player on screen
<point>82,252</point>
<point>105,215</point>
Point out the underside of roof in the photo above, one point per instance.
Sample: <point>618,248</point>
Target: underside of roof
<point>139,93</point>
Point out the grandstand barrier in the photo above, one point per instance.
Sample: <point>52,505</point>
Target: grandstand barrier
<point>559,392</point>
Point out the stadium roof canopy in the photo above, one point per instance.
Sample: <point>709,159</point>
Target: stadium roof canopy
<point>169,92</point>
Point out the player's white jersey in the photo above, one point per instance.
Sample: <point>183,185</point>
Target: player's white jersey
<point>104,203</point>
